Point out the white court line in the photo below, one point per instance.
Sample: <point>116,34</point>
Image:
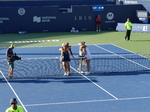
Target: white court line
<point>95,84</point>
<point>88,101</point>
<point>13,91</point>
<point>123,49</point>
<point>132,51</point>
<point>122,57</point>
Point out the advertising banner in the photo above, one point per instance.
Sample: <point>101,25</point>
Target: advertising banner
<point>97,8</point>
<point>141,28</point>
<point>50,19</point>
<point>142,15</point>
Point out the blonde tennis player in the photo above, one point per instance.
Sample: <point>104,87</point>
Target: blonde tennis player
<point>84,55</point>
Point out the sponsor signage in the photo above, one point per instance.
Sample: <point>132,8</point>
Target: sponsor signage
<point>142,28</point>
<point>110,17</point>
<point>21,11</point>
<point>3,19</point>
<point>142,15</point>
<point>82,18</point>
<point>39,19</point>
<point>97,8</point>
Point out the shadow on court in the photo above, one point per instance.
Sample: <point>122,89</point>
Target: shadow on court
<point>68,79</point>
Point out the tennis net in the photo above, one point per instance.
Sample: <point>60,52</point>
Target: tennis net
<point>40,67</point>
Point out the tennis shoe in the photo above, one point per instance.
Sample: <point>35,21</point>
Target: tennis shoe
<point>81,72</point>
<point>87,73</point>
<point>11,77</point>
<point>65,74</point>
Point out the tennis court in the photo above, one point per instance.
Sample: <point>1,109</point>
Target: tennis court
<point>111,91</point>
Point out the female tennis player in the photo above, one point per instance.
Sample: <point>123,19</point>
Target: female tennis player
<point>84,55</point>
<point>65,58</point>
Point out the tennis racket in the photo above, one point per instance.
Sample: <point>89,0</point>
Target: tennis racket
<point>76,61</point>
<point>84,61</point>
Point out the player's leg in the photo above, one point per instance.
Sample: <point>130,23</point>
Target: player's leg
<point>80,65</point>
<point>88,66</point>
<point>65,68</point>
<point>68,67</point>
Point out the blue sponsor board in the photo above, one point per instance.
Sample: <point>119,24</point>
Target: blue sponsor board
<point>142,15</point>
<point>50,19</point>
<point>141,28</point>
<point>97,8</point>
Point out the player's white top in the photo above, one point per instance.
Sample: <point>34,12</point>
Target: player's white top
<point>88,54</point>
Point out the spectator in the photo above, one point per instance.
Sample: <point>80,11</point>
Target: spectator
<point>98,23</point>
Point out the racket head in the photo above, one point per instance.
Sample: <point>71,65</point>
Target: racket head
<point>83,62</point>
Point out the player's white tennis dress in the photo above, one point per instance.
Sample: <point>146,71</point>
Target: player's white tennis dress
<point>88,55</point>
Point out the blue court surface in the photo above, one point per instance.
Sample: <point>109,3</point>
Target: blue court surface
<point>103,92</point>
